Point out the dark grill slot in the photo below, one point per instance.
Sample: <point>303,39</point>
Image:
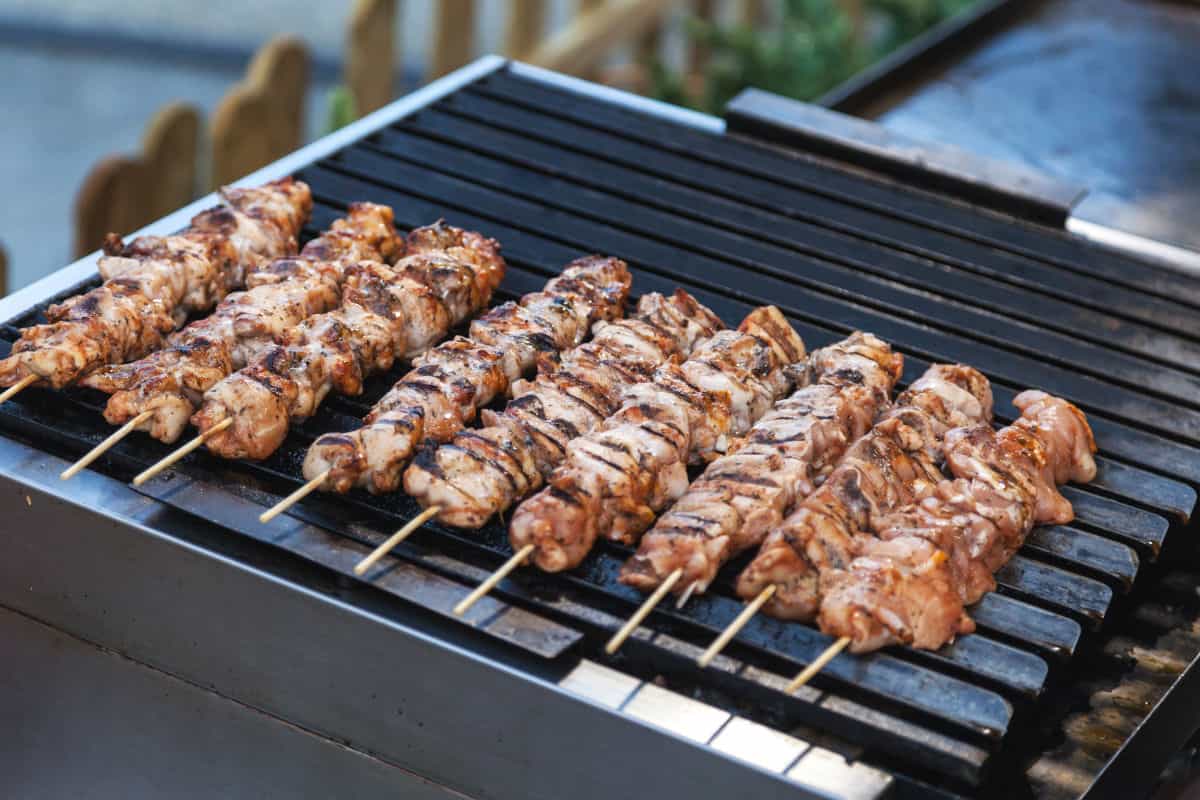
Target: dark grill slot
<point>852,190</point>
<point>793,297</point>
<point>554,176</point>
<point>412,141</point>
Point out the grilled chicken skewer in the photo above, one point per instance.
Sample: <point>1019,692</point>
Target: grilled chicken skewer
<point>481,472</point>
<point>787,453</point>
<point>449,385</point>
<point>615,480</point>
<point>882,471</point>
<point>387,313</point>
<point>937,556</point>
<point>153,283</point>
<point>885,470</point>
<point>167,385</point>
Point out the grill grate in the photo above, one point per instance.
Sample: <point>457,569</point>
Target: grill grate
<point>554,175</point>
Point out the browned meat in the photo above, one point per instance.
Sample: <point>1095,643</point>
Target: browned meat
<point>338,350</point>
<point>171,381</point>
<point>484,471</point>
<point>614,480</point>
<point>888,468</point>
<point>937,556</point>
<point>787,453</point>
<point>448,385</point>
<point>154,282</point>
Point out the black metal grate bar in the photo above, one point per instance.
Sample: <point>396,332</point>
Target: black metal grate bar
<point>822,179</point>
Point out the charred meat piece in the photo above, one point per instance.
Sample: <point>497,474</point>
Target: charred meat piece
<point>386,313</point>
<point>938,555</point>
<point>894,464</point>
<point>171,381</point>
<point>450,383</point>
<point>789,451</point>
<point>614,480</point>
<point>482,472</point>
<point>153,283</point>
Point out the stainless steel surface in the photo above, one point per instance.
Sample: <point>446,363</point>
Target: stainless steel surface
<point>1097,92</point>
<point>673,712</point>
<point>830,772</point>
<point>600,684</point>
<point>1019,188</point>
<point>759,745</point>
<point>81,721</point>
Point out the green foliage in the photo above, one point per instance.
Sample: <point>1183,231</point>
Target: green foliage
<point>341,110</point>
<point>812,48</point>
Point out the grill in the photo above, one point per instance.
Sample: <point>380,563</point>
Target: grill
<point>555,169</point>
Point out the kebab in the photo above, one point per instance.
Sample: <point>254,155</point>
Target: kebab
<point>159,392</point>
<point>387,313</point>
<point>614,480</point>
<point>152,284</point>
<point>749,490</point>
<point>449,385</point>
<point>884,470</point>
<point>938,555</point>
<point>482,472</point>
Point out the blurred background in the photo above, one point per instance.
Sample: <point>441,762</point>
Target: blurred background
<point>122,110</point>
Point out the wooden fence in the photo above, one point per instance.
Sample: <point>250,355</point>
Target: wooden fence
<point>262,117</point>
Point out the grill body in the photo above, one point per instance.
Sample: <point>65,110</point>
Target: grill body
<point>512,702</point>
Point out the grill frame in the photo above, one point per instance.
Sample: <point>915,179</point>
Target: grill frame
<point>215,494</point>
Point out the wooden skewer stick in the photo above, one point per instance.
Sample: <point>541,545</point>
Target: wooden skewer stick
<point>183,451</point>
<point>396,538</point>
<point>493,579</point>
<point>102,448</point>
<point>293,498</point>
<point>738,623</point>
<point>816,666</point>
<point>685,595</point>
<point>618,639</point>
<point>11,391</point>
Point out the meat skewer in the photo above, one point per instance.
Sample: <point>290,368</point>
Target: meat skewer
<point>881,472</point>
<point>447,388</point>
<point>482,472</point>
<point>614,480</point>
<point>937,556</point>
<point>449,384</point>
<point>153,283</point>
<point>386,313</point>
<point>749,490</point>
<point>159,392</point>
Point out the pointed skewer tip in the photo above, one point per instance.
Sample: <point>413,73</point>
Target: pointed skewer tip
<point>738,623</point>
<point>396,538</point>
<point>105,446</point>
<point>618,639</point>
<point>492,580</point>
<point>295,497</point>
<point>812,669</point>
<point>171,459</point>
<point>12,391</point>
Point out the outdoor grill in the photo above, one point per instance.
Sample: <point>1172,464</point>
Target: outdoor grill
<point>180,575</point>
